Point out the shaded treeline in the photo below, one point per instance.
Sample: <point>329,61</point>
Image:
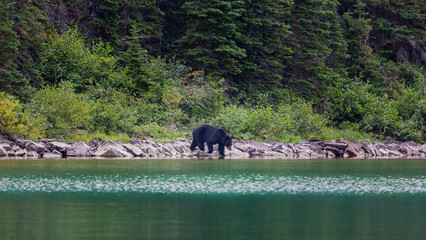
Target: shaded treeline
<point>259,52</point>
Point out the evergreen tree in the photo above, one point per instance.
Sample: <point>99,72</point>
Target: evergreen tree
<point>211,37</point>
<point>319,47</point>
<point>264,34</point>
<point>357,32</point>
<point>103,18</point>
<point>22,31</point>
<point>135,59</point>
<point>243,41</point>
<point>11,80</point>
<point>145,16</point>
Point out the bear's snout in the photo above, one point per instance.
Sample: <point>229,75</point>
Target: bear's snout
<point>230,147</point>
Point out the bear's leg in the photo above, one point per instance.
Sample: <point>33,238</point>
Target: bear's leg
<point>221,149</point>
<point>210,146</point>
<point>193,145</point>
<point>200,145</point>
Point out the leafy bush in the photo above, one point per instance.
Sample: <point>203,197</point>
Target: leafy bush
<point>64,110</point>
<point>113,111</point>
<point>16,122</point>
<point>198,96</point>
<point>282,123</point>
<point>402,116</point>
<point>65,57</point>
<point>157,132</point>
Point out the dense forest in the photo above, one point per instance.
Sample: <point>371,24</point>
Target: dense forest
<point>261,69</point>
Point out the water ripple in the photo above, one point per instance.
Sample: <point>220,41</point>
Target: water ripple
<point>216,184</point>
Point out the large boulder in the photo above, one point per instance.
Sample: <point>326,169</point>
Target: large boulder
<point>61,147</point>
<point>369,149</point>
<point>355,149</point>
<point>3,152</point>
<point>21,153</point>
<point>33,146</point>
<point>52,155</point>
<point>112,150</point>
<point>33,154</point>
<point>338,145</point>
<point>79,149</point>
<point>134,150</point>
<point>95,143</point>
<point>236,153</point>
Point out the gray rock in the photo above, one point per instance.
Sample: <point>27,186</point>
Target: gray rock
<point>7,147</point>
<point>236,153</point>
<point>150,151</point>
<point>338,145</point>
<point>381,152</point>
<point>317,152</point>
<point>394,153</point>
<point>291,146</point>
<point>36,147</point>
<point>55,155</point>
<point>258,145</point>
<point>405,149</point>
<point>135,142</point>
<point>270,153</point>
<point>11,153</point>
<point>79,149</point>
<point>200,153</point>
<point>61,147</point>
<point>15,148</point>
<point>112,150</point>
<point>330,154</point>
<point>354,149</point>
<point>337,152</point>
<point>95,143</point>
<point>57,152</point>
<point>369,149</point>
<point>20,142</point>
<point>33,154</point>
<point>21,153</point>
<point>132,149</point>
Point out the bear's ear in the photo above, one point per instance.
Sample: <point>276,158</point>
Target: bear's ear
<point>232,137</point>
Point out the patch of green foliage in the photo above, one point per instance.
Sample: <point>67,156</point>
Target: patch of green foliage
<point>268,123</point>
<point>17,122</point>
<point>402,116</point>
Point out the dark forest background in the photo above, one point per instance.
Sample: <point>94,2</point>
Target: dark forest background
<point>261,69</point>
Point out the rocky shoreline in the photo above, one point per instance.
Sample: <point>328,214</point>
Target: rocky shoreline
<point>147,148</point>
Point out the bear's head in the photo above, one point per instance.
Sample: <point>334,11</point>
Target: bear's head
<point>228,142</point>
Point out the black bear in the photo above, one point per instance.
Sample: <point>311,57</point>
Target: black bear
<point>211,135</point>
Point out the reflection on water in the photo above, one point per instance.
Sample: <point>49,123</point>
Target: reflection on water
<point>241,184</point>
<point>190,199</point>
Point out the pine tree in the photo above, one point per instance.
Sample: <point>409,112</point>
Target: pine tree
<point>319,47</point>
<point>211,37</point>
<point>145,16</point>
<point>103,18</point>
<point>264,32</point>
<point>135,59</point>
<point>22,30</point>
<point>11,80</point>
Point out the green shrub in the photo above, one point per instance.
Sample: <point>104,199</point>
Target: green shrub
<point>65,57</point>
<point>15,122</point>
<point>64,110</point>
<point>288,122</point>
<point>301,119</point>
<point>157,132</point>
<point>153,112</point>
<point>198,96</point>
<point>235,120</point>
<point>402,116</point>
<point>113,111</point>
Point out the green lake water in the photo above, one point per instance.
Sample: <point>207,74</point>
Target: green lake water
<point>213,199</point>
